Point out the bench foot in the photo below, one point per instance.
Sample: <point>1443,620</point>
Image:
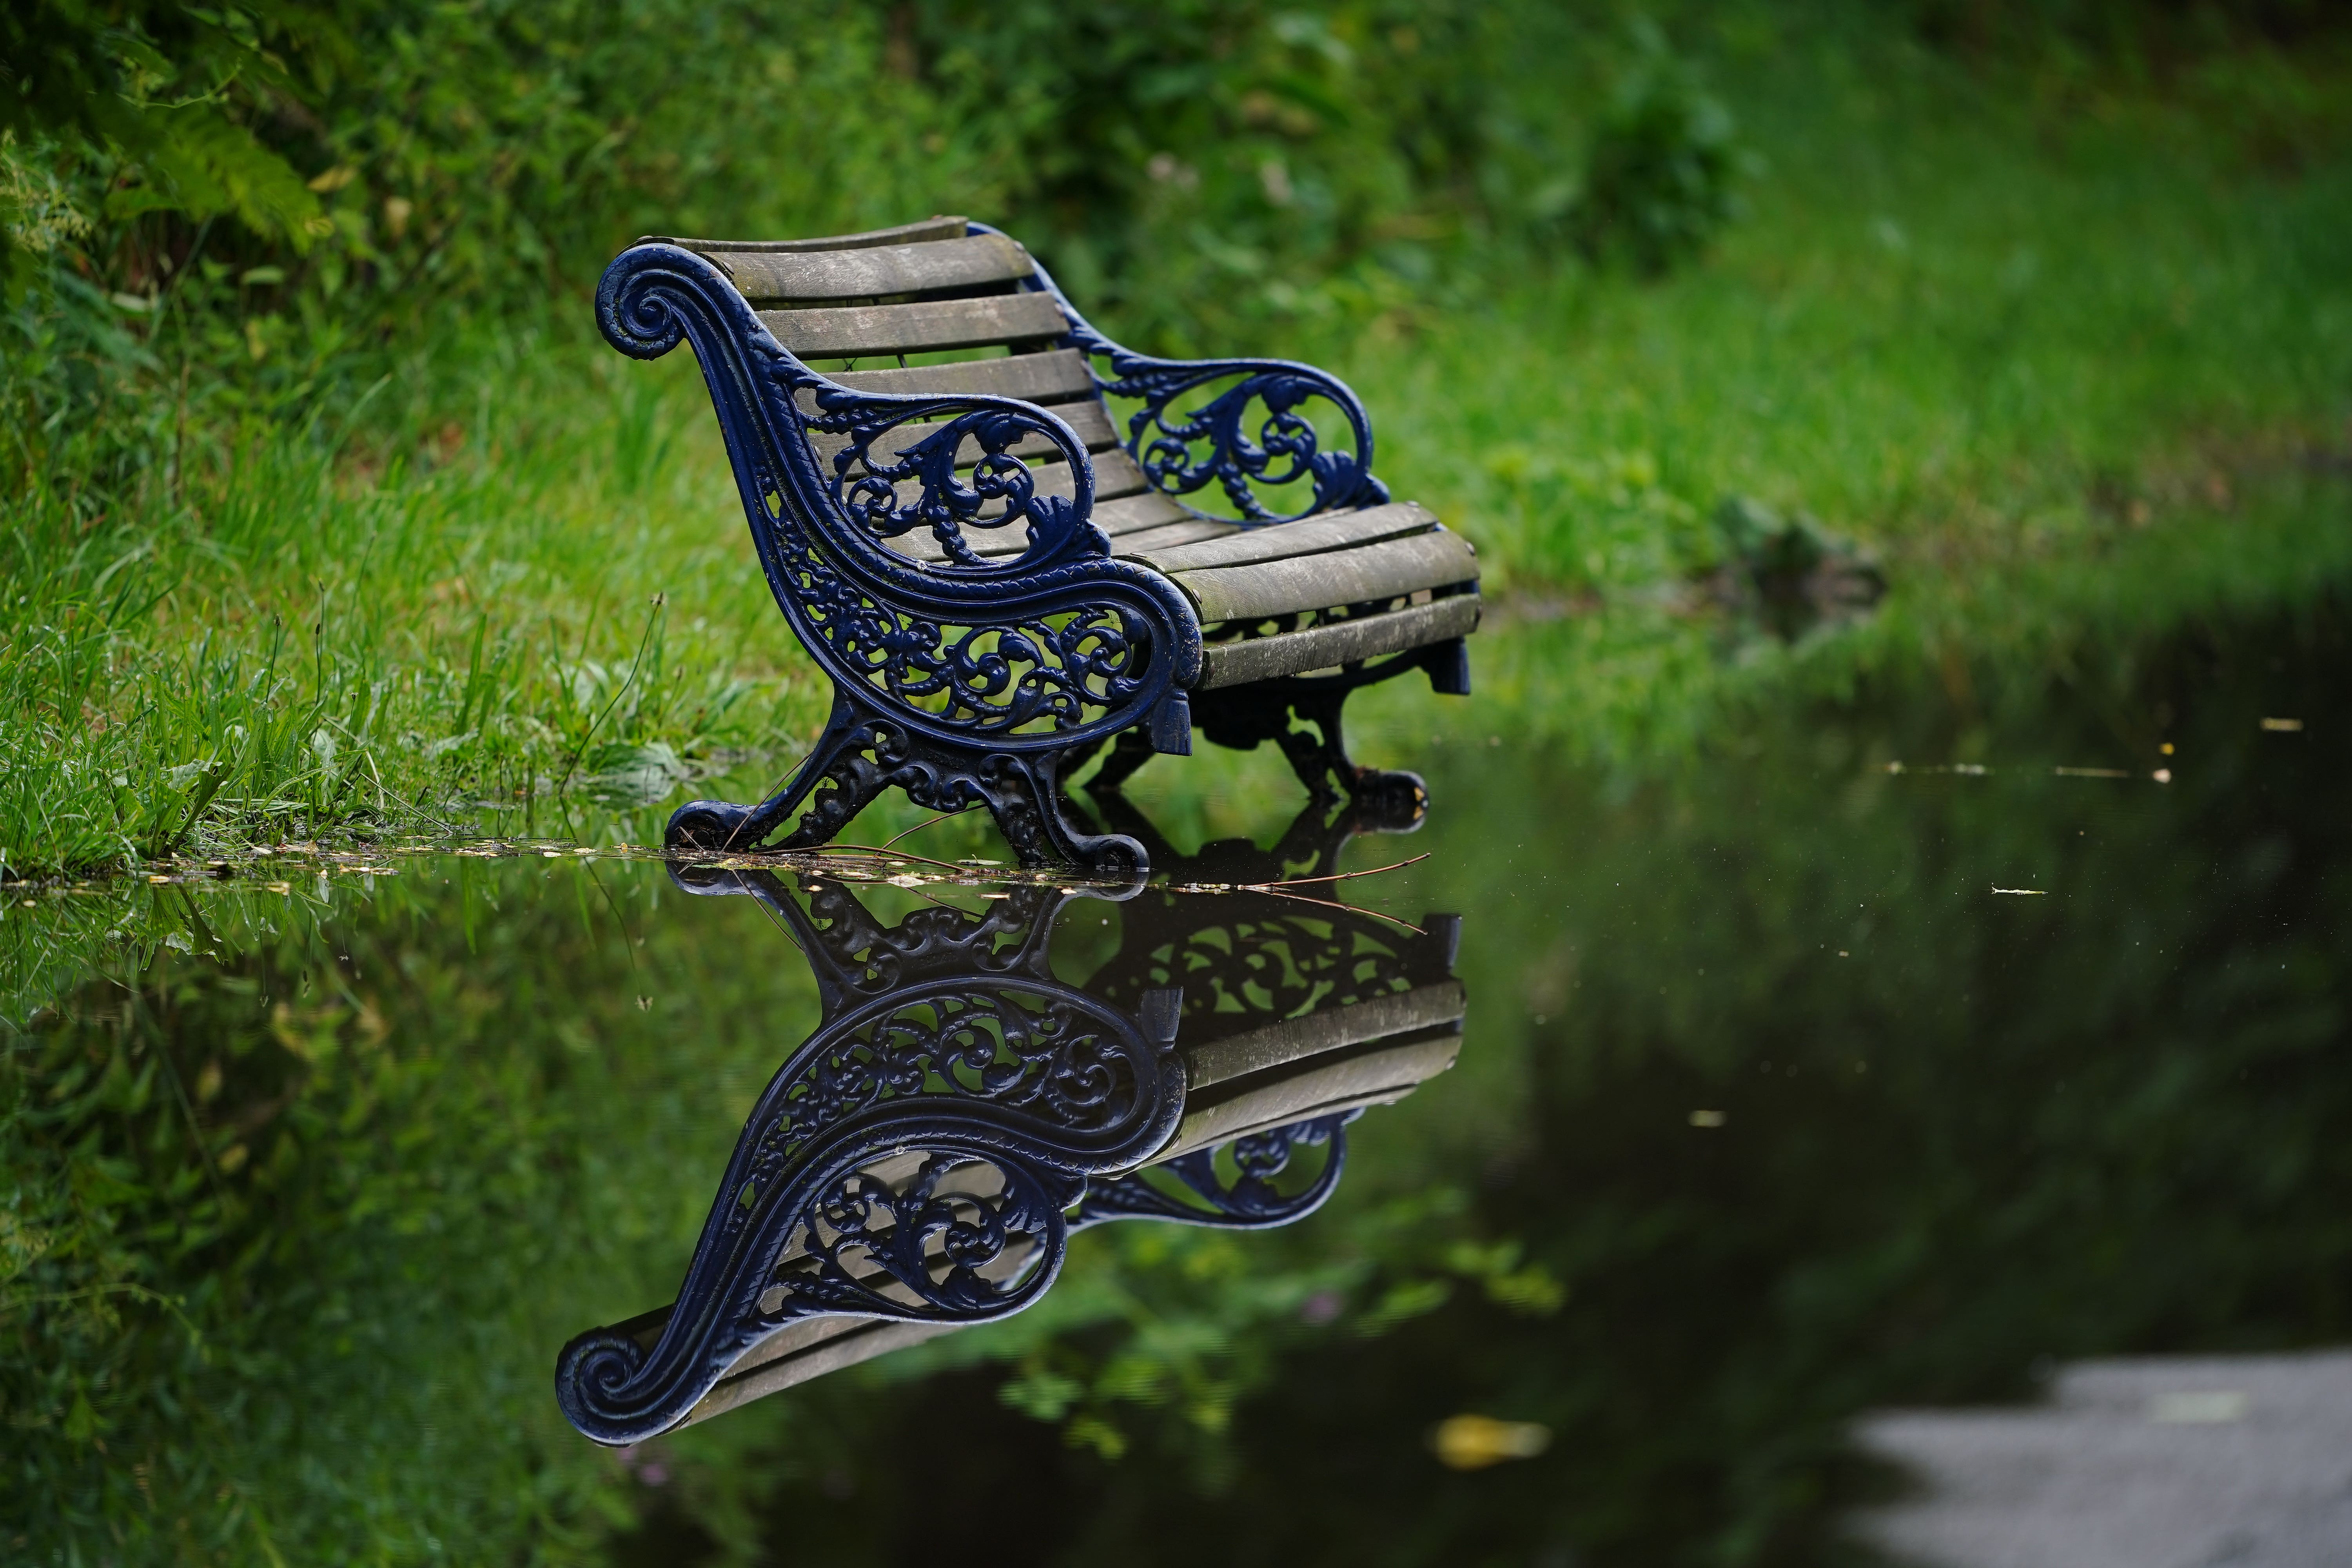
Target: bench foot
<point>861,753</point>
<point>1242,717</point>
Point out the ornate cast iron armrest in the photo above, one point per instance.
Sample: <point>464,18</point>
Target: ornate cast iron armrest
<point>865,482</point>
<point>774,408</point>
<point>1182,452</point>
<point>967,652</point>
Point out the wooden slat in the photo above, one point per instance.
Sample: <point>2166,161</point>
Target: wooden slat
<point>1116,476</point>
<point>1383,1073</point>
<point>926,326</point>
<point>1384,571</point>
<point>931,228</point>
<point>1341,642</point>
<point>1088,420</point>
<point>1184,532</point>
<point>923,547</point>
<point>1333,1028</point>
<point>774,276</point>
<point>1285,540</point>
<point>1053,377</point>
<point>988,544</point>
<point>1134,513</point>
<point>854,1340</point>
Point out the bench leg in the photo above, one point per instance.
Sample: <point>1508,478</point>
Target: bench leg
<point>1448,664</point>
<point>1129,751</point>
<point>1023,792</point>
<point>1240,716</point>
<point>863,752</point>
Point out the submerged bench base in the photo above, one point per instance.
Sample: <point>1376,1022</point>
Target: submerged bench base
<point>864,752</point>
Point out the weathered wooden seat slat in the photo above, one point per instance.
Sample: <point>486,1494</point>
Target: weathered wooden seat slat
<point>1336,644</point>
<point>1370,573</point>
<point>1020,540</point>
<point>1312,536</point>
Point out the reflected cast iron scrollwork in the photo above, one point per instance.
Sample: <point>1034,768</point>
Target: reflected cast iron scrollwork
<point>1247,1200</point>
<point>924,1155</point>
<point>912,1159</point>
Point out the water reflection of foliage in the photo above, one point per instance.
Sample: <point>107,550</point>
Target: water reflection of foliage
<point>332,1175</point>
<point>1990,1131</point>
<point>512,1145</point>
<point>293,1215</point>
<point>2104,1120</point>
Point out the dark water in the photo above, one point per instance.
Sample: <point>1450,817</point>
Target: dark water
<point>1792,1082</point>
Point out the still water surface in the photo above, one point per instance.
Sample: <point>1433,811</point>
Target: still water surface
<point>1890,1052</point>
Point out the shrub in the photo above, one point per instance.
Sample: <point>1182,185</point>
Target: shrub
<point>1661,168</point>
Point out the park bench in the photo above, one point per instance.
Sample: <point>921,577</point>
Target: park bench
<point>1000,576</point>
<point>917,1164</point>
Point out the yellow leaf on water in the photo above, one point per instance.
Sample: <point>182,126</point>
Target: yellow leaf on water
<point>1475,1442</point>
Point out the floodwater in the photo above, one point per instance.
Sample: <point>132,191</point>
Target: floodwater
<point>1568,1198</point>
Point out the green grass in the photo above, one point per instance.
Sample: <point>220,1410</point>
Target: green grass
<point>2006,337</point>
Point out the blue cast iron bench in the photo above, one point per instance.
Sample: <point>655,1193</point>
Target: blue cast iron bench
<point>997,580</point>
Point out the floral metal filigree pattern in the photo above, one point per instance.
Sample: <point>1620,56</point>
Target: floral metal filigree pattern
<point>998,666</point>
<point>1248,1200</point>
<point>977,1057</point>
<point>868,486</point>
<point>928,1246</point>
<point>881,621</point>
<point>1183,453</point>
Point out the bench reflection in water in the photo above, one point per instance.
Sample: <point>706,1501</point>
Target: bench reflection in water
<point>917,1165</point>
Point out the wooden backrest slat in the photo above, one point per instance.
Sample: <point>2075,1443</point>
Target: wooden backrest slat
<point>912,266</point>
<point>1055,377</point>
<point>767,278</point>
<point>926,326</point>
<point>1322,1084</point>
<point>1150,516</point>
<point>931,228</point>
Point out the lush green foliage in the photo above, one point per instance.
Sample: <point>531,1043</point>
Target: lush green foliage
<point>1971,329</point>
<point>301,533</point>
<point>302,1173</point>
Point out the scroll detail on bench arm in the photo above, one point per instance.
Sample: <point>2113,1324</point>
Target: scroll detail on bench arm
<point>1181,453</point>
<point>970,672</point>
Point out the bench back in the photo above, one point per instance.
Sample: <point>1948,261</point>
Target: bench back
<point>931,308</point>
